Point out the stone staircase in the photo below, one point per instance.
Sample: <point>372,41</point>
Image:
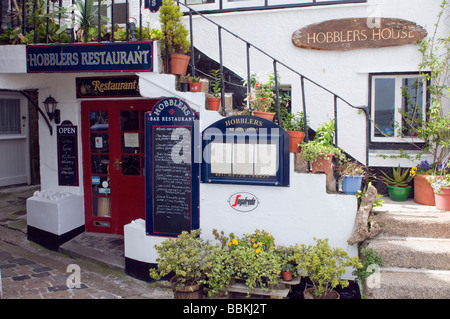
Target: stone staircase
<point>415,246</point>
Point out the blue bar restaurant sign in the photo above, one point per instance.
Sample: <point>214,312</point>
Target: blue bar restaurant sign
<point>172,163</point>
<point>93,57</point>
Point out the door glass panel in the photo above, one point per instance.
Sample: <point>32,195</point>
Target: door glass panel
<point>130,143</point>
<point>101,185</point>
<point>100,164</point>
<point>101,206</point>
<point>131,165</point>
<point>129,120</point>
<point>99,143</point>
<point>98,120</point>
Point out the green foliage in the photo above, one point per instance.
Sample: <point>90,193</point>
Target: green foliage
<point>351,167</point>
<point>251,257</point>
<point>173,29</point>
<point>324,265</point>
<point>216,81</point>
<point>322,145</point>
<point>434,130</point>
<point>400,178</point>
<point>294,122</point>
<point>188,256</point>
<point>369,257</point>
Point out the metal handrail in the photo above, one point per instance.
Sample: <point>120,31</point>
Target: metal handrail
<point>275,62</point>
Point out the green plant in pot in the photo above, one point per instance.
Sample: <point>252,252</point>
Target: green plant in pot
<point>194,84</point>
<point>216,81</point>
<point>398,184</point>
<point>324,266</point>
<point>294,124</point>
<point>287,261</point>
<point>320,151</point>
<point>175,37</point>
<point>188,257</point>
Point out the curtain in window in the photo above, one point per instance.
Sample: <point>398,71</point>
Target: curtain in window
<point>10,116</point>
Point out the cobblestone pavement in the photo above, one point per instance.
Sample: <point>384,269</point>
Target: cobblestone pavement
<point>29,271</point>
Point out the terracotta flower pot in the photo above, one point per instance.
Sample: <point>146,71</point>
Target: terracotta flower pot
<point>443,199</point>
<point>195,86</point>
<point>322,164</point>
<point>214,103</point>
<point>265,115</point>
<point>295,139</point>
<point>179,63</point>
<point>286,275</point>
<point>423,192</point>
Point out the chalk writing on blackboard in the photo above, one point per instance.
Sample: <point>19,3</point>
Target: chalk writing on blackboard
<point>67,143</point>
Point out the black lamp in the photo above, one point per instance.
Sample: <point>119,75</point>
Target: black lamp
<point>50,107</point>
<point>132,25</point>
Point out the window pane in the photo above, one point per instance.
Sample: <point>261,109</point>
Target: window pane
<point>412,104</point>
<point>384,107</point>
<point>10,116</point>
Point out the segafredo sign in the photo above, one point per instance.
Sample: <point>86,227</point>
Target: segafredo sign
<point>243,201</point>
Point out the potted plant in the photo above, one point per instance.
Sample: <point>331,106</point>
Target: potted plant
<point>324,266</point>
<point>398,185</point>
<point>294,124</point>
<point>260,99</point>
<point>250,258</point>
<point>441,187</point>
<point>175,37</point>
<point>214,101</point>
<point>320,151</point>
<point>194,84</point>
<point>188,258</point>
<point>184,83</point>
<point>287,261</point>
<point>352,173</point>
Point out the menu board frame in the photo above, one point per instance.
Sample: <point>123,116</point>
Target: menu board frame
<point>173,179</point>
<point>67,144</point>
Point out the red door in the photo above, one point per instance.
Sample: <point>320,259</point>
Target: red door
<point>113,163</point>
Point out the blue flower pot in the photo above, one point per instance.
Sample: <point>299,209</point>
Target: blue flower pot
<point>351,184</point>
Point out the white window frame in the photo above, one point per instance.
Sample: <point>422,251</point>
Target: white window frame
<point>398,77</point>
<point>23,116</point>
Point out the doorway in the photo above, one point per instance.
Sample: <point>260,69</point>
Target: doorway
<point>113,163</point>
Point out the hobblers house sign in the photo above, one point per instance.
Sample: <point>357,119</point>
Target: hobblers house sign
<point>358,33</point>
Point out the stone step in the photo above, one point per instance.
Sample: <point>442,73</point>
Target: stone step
<point>402,283</point>
<point>414,224</point>
<point>408,219</point>
<point>412,252</point>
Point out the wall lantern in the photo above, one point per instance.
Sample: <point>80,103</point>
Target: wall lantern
<point>50,108</point>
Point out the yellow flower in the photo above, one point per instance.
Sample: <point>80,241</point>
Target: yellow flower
<point>413,171</point>
<point>235,241</point>
<point>255,245</point>
<point>260,243</point>
<point>228,244</point>
<point>258,251</point>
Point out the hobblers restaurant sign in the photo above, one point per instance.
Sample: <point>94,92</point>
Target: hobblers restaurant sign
<point>94,57</point>
<point>358,33</point>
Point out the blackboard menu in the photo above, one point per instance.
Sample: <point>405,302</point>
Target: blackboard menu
<point>172,179</point>
<point>67,143</point>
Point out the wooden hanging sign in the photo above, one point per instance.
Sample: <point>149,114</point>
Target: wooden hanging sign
<point>358,33</point>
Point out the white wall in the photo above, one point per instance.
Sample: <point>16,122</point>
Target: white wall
<point>344,72</point>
